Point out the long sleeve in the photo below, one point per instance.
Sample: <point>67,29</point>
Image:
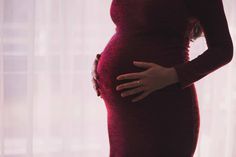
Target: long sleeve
<point>212,17</point>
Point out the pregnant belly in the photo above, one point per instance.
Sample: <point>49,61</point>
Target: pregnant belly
<point>119,54</point>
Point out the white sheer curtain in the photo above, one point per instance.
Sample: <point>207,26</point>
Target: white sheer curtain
<point>47,103</point>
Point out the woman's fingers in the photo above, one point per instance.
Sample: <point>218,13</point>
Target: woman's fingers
<point>136,75</point>
<point>129,76</point>
<point>141,96</point>
<point>129,85</point>
<point>132,91</point>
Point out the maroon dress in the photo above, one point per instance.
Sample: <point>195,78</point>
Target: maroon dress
<point>166,122</point>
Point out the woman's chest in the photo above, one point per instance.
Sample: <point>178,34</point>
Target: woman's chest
<point>148,10</point>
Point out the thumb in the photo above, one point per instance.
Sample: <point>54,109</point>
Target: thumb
<point>144,65</point>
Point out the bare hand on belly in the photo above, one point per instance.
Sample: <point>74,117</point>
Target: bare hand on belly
<point>153,78</point>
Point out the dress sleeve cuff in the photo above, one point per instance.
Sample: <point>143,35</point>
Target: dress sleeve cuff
<point>183,77</point>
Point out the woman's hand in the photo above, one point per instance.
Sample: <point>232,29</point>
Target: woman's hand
<point>154,78</point>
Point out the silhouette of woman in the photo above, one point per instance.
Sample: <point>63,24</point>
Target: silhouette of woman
<point>152,103</point>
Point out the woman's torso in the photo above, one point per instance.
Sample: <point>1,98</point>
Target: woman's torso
<point>146,30</point>
<point>166,121</point>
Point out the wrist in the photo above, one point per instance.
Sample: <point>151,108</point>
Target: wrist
<point>172,75</point>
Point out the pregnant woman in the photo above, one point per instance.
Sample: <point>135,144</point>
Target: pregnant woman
<point>146,79</point>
